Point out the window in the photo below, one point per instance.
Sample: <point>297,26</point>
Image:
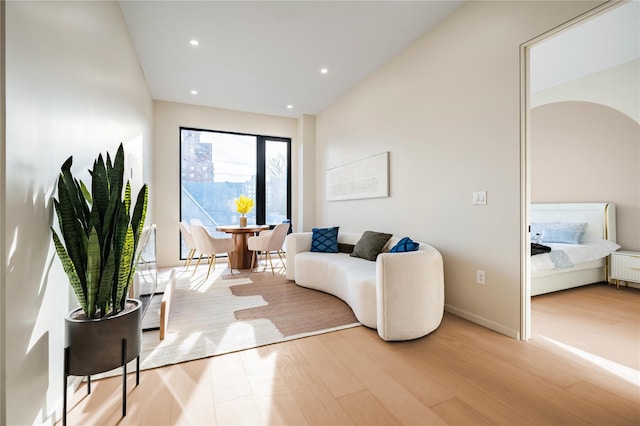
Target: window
<point>217,167</point>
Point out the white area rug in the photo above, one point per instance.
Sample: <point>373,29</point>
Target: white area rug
<point>204,315</point>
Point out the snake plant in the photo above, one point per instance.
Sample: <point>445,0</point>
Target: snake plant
<point>99,234</point>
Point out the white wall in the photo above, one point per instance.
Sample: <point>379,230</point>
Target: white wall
<point>305,197</point>
<point>73,87</point>
<point>585,131</point>
<point>448,110</point>
<point>168,118</point>
<point>617,87</point>
<point>587,152</point>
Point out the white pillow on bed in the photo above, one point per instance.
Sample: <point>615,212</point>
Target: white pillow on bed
<point>561,236</point>
<point>559,232</point>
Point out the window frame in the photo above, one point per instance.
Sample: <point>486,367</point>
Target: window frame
<point>261,192</point>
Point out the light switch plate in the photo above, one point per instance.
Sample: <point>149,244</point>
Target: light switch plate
<point>480,197</point>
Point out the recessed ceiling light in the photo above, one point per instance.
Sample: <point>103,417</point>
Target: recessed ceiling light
<point>289,106</point>
<point>194,42</point>
<point>324,70</point>
<point>194,92</point>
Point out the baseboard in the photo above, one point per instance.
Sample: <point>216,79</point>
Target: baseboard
<point>515,334</point>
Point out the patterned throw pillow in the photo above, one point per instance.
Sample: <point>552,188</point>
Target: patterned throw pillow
<point>324,240</point>
<point>404,245</point>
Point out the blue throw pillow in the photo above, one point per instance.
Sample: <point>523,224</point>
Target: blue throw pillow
<point>325,240</point>
<point>404,245</point>
<point>539,228</point>
<point>562,236</point>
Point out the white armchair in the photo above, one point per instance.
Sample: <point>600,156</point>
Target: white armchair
<point>268,241</point>
<point>210,246</point>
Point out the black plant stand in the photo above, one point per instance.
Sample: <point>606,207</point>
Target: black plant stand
<point>124,380</point>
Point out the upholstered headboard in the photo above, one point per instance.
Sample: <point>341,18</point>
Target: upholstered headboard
<point>600,217</point>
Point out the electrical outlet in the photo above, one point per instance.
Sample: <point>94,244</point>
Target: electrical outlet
<point>480,277</point>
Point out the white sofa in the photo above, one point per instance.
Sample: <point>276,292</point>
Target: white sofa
<point>400,294</point>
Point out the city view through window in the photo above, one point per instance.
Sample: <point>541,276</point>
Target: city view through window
<point>218,167</point>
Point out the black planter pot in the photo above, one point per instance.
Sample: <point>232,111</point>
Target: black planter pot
<point>96,345</point>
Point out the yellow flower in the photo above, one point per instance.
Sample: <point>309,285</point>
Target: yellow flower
<point>244,204</point>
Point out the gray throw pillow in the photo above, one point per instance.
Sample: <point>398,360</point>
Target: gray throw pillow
<point>370,245</point>
<point>345,248</point>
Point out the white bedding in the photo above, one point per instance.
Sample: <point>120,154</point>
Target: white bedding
<point>587,251</point>
<point>599,240</point>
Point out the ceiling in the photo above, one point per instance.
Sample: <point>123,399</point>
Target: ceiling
<point>602,42</point>
<point>266,56</point>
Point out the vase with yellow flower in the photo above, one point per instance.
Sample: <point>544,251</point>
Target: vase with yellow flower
<point>244,205</point>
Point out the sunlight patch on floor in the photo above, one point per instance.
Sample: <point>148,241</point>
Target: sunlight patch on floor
<point>625,373</point>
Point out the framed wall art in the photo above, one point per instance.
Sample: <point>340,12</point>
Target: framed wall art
<point>366,178</point>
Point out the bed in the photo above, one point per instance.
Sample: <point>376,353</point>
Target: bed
<point>580,236</point>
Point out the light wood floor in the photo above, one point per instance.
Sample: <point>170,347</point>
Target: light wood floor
<point>581,367</point>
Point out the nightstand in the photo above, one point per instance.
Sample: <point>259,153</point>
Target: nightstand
<point>624,266</point>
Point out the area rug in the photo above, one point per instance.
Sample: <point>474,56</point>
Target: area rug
<point>232,312</point>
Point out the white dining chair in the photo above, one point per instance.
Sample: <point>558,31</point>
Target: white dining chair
<point>211,246</point>
<point>189,242</point>
<point>268,241</point>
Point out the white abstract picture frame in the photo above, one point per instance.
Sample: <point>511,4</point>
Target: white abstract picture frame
<point>366,178</point>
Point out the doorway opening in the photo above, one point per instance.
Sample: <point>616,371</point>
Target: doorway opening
<point>579,64</point>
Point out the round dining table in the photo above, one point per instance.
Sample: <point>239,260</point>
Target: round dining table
<point>241,258</point>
